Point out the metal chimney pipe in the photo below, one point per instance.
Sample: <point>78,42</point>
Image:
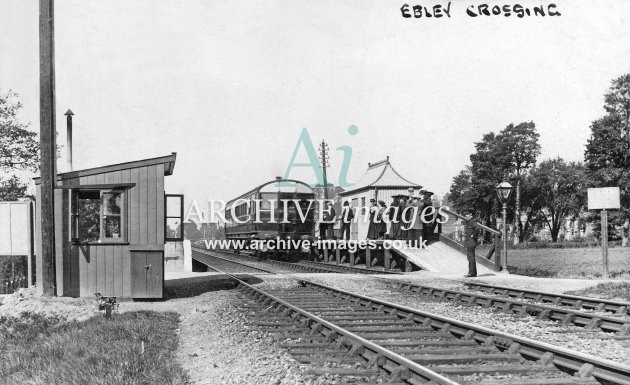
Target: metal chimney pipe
<point>69,115</point>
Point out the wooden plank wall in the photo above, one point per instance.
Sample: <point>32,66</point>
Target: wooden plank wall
<point>107,268</point>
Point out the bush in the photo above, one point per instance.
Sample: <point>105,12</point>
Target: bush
<point>561,245</point>
<point>532,271</point>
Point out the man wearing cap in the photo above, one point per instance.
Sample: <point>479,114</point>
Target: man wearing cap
<point>347,215</point>
<point>326,226</point>
<point>470,242</point>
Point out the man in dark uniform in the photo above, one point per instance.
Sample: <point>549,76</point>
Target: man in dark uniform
<point>326,226</point>
<point>429,226</point>
<point>471,233</point>
<point>347,215</point>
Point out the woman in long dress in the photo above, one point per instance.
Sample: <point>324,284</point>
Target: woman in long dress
<point>374,226</point>
<point>395,217</point>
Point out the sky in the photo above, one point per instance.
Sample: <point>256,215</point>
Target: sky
<point>230,85</point>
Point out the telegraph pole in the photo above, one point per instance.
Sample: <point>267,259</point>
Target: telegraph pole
<point>323,156</point>
<point>48,150</point>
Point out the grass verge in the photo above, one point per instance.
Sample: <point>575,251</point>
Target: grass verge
<point>131,348</point>
<point>569,263</point>
<point>609,290</point>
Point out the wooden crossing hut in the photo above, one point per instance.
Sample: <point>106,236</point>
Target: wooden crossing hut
<point>380,182</point>
<point>110,229</point>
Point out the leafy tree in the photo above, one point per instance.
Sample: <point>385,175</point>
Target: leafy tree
<point>531,205</point>
<point>211,231</point>
<point>488,165</point>
<point>607,155</point>
<point>19,148</point>
<point>518,148</point>
<point>192,232</point>
<point>509,154</point>
<point>12,189</point>
<point>561,192</point>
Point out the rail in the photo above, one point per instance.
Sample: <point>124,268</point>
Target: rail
<point>493,252</point>
<point>479,225</point>
<point>397,366</point>
<point>582,365</point>
<point>567,316</point>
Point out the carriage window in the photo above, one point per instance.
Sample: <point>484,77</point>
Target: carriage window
<point>98,215</point>
<point>174,215</point>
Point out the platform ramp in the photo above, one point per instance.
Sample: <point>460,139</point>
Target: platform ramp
<point>440,258</point>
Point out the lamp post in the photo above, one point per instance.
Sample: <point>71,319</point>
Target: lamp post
<point>503,191</point>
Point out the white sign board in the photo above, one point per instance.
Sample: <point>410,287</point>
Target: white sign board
<point>15,232</point>
<point>603,198</point>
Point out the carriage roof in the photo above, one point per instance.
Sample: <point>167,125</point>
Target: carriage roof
<point>293,186</point>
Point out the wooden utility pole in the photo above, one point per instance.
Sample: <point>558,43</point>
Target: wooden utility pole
<point>47,137</point>
<point>323,148</point>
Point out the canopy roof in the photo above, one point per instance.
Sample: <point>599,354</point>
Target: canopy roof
<point>380,175</point>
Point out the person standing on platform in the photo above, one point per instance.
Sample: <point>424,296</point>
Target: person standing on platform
<point>394,214</point>
<point>326,229</point>
<point>471,233</point>
<point>347,215</point>
<point>409,217</point>
<point>415,232</point>
<point>382,226</point>
<point>373,227</point>
<point>428,221</point>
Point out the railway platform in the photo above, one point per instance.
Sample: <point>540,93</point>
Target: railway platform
<point>442,260</point>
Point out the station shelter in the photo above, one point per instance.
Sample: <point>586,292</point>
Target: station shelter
<point>111,225</point>
<point>379,182</point>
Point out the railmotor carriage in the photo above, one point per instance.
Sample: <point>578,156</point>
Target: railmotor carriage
<point>261,236</point>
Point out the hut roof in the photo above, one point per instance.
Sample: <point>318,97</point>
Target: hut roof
<point>168,161</point>
<point>381,175</point>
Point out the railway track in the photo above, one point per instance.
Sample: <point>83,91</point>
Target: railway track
<point>568,316</point>
<point>350,269</point>
<point>572,301</point>
<point>366,339</point>
<point>220,264</point>
<point>273,266</point>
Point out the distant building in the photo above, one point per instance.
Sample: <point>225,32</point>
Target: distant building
<point>380,182</point>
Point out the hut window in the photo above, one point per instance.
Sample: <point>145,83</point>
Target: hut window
<point>174,214</point>
<point>86,216</point>
<point>97,215</point>
<point>111,219</point>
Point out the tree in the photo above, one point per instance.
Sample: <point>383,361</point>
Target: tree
<point>561,191</point>
<point>472,190</point>
<point>19,148</point>
<point>519,148</point>
<point>12,189</point>
<point>531,205</point>
<point>607,155</point>
<point>192,232</point>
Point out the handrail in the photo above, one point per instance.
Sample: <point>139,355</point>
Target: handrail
<point>479,225</point>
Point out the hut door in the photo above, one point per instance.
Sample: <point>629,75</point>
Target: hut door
<point>146,274</point>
